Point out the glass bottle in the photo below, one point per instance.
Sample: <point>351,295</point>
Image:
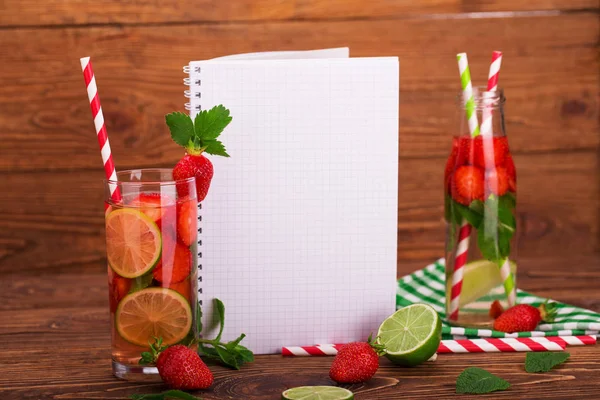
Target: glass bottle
<point>480,190</point>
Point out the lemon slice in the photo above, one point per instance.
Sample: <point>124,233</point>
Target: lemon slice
<point>155,312</point>
<point>133,242</point>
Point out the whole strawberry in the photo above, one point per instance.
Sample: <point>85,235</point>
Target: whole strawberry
<point>198,137</point>
<point>356,362</point>
<point>524,317</point>
<point>182,368</point>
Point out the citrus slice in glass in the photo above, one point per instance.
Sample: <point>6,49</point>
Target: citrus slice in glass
<point>411,335</point>
<point>154,312</point>
<point>133,242</point>
<point>317,393</point>
<point>479,278</point>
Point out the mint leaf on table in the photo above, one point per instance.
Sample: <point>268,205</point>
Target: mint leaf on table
<point>475,380</point>
<point>169,394</point>
<point>220,307</point>
<point>544,361</point>
<point>181,127</point>
<point>231,354</point>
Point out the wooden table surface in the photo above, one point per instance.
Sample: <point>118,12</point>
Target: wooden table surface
<point>56,345</point>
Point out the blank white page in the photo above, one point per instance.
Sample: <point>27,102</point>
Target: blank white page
<point>299,229</point>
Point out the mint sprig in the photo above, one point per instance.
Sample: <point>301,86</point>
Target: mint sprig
<point>494,220</point>
<point>544,361</point>
<point>200,135</point>
<point>169,394</point>
<point>475,380</point>
<point>231,354</point>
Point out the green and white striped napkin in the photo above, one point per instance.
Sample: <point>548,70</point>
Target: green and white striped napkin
<point>428,286</point>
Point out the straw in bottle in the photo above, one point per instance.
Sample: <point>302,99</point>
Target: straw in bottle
<point>465,229</point>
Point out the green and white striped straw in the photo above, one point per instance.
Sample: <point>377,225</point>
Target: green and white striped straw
<point>467,88</point>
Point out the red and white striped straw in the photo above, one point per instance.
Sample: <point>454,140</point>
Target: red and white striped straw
<point>573,340</point>
<point>94,98</point>
<point>492,86</point>
<point>459,262</point>
<point>318,350</point>
<point>487,345</point>
<point>499,345</point>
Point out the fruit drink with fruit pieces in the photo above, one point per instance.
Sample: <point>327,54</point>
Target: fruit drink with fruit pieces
<point>480,188</point>
<point>152,263</point>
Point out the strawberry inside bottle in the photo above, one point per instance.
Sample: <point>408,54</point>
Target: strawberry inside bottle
<point>480,188</point>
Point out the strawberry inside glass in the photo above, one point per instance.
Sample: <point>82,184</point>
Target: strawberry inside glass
<point>152,264</point>
<point>480,187</point>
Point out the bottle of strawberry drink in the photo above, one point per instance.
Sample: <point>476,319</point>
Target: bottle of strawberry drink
<point>480,188</point>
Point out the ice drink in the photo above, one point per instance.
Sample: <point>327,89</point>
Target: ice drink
<point>480,198</point>
<point>152,264</point>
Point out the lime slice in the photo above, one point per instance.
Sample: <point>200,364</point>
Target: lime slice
<point>133,242</point>
<point>479,278</point>
<point>154,312</point>
<point>411,335</point>
<point>317,393</point>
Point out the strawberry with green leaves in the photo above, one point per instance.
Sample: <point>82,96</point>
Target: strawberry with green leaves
<point>198,137</point>
<point>356,362</point>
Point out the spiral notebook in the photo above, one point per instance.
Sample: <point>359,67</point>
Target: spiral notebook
<point>298,234</point>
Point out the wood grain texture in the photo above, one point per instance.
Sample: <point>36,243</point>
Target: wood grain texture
<point>43,234</point>
<point>74,12</point>
<point>550,75</point>
<point>60,349</point>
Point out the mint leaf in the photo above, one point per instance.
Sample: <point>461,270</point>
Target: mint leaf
<point>231,354</point>
<point>472,214</point>
<point>215,147</point>
<point>544,361</point>
<point>227,357</point>
<point>509,201</point>
<point>478,381</point>
<point>181,127</point>
<point>141,282</point>
<point>497,229</point>
<point>220,308</point>
<point>169,394</point>
<point>244,354</point>
<point>209,124</point>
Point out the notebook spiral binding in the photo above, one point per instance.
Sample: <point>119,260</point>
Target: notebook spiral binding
<point>189,93</point>
<point>188,106</point>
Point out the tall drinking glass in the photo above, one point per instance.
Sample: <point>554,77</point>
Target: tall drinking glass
<point>152,265</point>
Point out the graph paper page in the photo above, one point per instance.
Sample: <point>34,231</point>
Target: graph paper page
<point>299,229</point>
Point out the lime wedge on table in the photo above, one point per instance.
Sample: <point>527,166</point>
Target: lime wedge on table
<point>133,242</point>
<point>479,278</point>
<point>317,393</point>
<point>411,335</point>
<point>154,312</point>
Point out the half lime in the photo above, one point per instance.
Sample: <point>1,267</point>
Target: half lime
<point>317,393</point>
<point>411,335</point>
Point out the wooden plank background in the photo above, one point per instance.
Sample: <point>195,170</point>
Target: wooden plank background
<point>51,216</point>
